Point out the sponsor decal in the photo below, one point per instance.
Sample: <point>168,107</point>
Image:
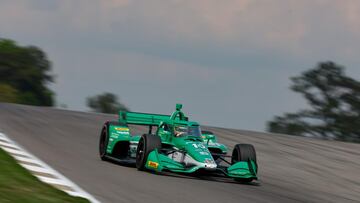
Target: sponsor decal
<point>121,129</point>
<point>198,145</point>
<point>114,135</point>
<point>153,164</point>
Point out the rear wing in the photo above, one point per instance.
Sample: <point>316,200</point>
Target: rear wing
<point>151,119</point>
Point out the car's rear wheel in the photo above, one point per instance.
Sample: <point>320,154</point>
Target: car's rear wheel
<point>147,144</point>
<point>103,141</point>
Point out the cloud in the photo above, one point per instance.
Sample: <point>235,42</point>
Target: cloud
<point>237,54</point>
<point>231,25</point>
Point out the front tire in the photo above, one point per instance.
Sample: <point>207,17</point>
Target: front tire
<point>244,152</point>
<point>147,144</point>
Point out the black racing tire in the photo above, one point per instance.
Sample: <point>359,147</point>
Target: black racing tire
<point>104,139</point>
<point>147,144</point>
<point>243,152</point>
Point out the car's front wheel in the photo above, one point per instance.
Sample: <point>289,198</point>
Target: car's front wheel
<point>147,144</point>
<point>244,152</point>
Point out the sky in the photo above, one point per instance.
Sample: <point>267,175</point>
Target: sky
<point>228,62</point>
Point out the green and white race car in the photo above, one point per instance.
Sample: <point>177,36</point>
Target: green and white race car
<point>173,143</point>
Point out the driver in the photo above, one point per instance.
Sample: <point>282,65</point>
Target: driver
<point>180,130</point>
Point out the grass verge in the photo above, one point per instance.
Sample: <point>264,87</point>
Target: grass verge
<point>18,185</point>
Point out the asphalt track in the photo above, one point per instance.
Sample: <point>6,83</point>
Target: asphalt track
<point>292,169</point>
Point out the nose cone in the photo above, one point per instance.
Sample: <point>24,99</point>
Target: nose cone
<point>210,164</point>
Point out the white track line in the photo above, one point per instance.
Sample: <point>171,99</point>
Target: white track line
<point>4,144</point>
<point>41,170</point>
<point>36,169</point>
<point>29,160</point>
<point>2,138</point>
<point>51,181</point>
<point>14,151</point>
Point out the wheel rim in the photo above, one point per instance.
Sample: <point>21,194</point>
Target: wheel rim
<point>140,152</point>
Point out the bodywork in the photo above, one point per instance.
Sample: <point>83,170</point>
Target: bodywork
<point>189,152</point>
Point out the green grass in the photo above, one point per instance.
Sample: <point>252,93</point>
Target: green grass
<point>18,185</point>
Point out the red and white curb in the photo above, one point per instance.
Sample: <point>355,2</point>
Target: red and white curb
<point>41,170</point>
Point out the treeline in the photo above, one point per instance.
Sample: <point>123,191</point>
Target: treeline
<point>24,75</point>
<point>25,72</point>
<point>333,97</point>
<point>334,105</point>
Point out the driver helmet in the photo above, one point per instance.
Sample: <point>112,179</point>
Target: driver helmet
<point>180,130</point>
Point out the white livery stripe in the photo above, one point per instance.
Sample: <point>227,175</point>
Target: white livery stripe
<point>41,170</point>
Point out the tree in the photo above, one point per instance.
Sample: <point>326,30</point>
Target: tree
<point>25,70</point>
<point>8,94</point>
<point>105,103</point>
<point>334,101</point>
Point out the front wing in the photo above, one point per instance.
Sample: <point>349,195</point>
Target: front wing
<point>242,170</point>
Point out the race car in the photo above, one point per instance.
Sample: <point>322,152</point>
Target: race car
<point>176,144</point>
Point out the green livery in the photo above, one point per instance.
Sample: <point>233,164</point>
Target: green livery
<point>174,143</point>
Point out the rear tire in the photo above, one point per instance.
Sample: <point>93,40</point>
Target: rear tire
<point>147,144</point>
<point>104,139</point>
